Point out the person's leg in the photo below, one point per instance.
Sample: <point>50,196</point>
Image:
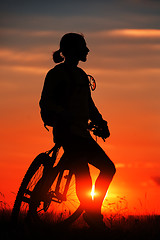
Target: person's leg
<point>101,187</point>
<point>83,184</point>
<point>76,159</point>
<point>99,159</point>
<point>80,152</point>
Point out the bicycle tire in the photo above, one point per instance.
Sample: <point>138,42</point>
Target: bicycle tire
<point>34,167</point>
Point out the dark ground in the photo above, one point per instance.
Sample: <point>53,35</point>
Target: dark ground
<point>123,228</point>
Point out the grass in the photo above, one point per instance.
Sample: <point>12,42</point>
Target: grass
<point>122,227</point>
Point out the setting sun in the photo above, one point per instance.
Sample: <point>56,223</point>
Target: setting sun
<point>93,192</point>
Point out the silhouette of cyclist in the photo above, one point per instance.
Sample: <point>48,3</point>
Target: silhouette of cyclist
<point>67,105</point>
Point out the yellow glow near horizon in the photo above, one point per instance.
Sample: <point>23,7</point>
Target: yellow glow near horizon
<point>93,191</point>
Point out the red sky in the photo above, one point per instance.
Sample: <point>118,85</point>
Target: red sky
<point>124,59</point>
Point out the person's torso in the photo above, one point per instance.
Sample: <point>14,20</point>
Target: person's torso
<point>69,88</point>
<point>77,100</point>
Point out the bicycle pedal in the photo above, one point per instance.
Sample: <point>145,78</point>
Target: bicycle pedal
<point>60,197</point>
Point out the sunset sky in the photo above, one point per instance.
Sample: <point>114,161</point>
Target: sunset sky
<point>124,42</point>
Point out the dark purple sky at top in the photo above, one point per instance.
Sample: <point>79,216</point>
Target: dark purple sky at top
<point>89,15</point>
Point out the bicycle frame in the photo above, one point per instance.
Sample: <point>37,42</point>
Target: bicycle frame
<point>60,168</point>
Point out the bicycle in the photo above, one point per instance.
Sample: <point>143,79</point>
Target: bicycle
<point>50,185</point>
<point>47,186</point>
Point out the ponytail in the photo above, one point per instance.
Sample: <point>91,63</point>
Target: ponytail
<point>57,58</point>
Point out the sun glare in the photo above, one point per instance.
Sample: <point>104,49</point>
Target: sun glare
<point>93,191</point>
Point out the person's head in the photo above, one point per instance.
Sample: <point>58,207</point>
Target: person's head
<point>72,46</point>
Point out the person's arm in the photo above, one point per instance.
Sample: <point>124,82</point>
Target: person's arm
<point>94,114</point>
<point>96,119</point>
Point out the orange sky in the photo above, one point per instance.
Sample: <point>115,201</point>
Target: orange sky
<point>125,64</point>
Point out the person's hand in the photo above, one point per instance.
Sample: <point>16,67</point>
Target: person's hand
<point>105,130</point>
<point>100,130</point>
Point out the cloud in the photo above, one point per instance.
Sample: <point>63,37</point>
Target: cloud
<point>28,32</point>
<point>138,33</point>
<point>120,165</point>
<point>125,48</point>
<point>79,15</point>
<point>125,36</point>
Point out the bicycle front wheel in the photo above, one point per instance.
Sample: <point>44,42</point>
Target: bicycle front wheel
<point>32,176</point>
<point>56,201</point>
